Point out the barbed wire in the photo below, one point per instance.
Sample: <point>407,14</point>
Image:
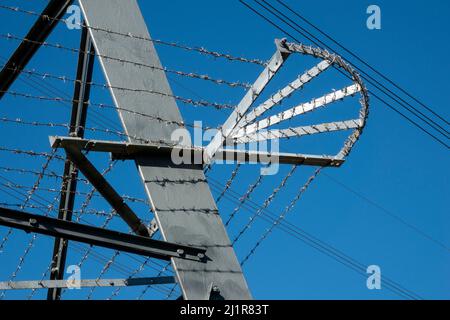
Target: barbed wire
<point>31,153</point>
<point>33,239</point>
<point>100,105</point>
<point>229,182</point>
<point>50,157</point>
<point>119,267</point>
<point>103,271</point>
<point>66,79</point>
<point>232,84</point>
<point>78,193</point>
<point>144,291</point>
<point>36,173</point>
<point>200,50</point>
<point>121,134</point>
<point>138,270</point>
<point>266,203</point>
<point>244,198</point>
<point>108,265</point>
<point>282,216</point>
<point>172,291</point>
<point>30,245</point>
<point>94,212</point>
<point>93,252</point>
<point>83,211</point>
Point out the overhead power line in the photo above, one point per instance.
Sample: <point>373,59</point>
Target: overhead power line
<point>373,82</point>
<point>364,62</point>
<point>293,230</point>
<point>426,119</point>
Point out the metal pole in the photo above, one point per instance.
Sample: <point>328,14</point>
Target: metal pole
<point>69,186</point>
<point>26,50</point>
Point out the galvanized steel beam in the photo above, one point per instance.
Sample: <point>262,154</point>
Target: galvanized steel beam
<point>237,116</point>
<point>186,212</point>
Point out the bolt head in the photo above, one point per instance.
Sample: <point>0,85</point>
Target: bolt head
<point>216,289</point>
<point>201,255</point>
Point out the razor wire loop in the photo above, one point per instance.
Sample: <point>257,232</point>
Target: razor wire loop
<point>241,129</point>
<point>248,128</point>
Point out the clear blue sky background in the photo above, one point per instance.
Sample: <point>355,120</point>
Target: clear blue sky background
<point>394,166</point>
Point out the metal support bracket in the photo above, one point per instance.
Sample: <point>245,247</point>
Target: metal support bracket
<point>127,150</point>
<point>84,283</point>
<point>99,236</point>
<point>106,190</point>
<point>275,63</point>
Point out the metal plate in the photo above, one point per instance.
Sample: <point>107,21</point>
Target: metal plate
<point>185,209</point>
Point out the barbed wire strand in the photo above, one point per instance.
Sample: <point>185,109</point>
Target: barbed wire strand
<point>34,237</point>
<point>192,75</point>
<point>67,79</point>
<point>266,203</point>
<point>229,182</point>
<point>282,216</point>
<point>200,50</point>
<point>49,157</point>
<point>244,198</point>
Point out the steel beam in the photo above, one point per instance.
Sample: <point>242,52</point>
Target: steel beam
<point>106,190</point>
<point>99,236</point>
<point>84,283</point>
<point>127,150</point>
<point>238,114</point>
<point>26,50</point>
<point>69,185</point>
<point>185,212</point>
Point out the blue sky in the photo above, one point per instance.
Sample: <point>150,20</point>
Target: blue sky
<point>401,172</point>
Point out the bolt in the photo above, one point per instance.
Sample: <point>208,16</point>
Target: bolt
<point>201,255</point>
<point>216,289</point>
<point>180,252</point>
<point>33,222</point>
